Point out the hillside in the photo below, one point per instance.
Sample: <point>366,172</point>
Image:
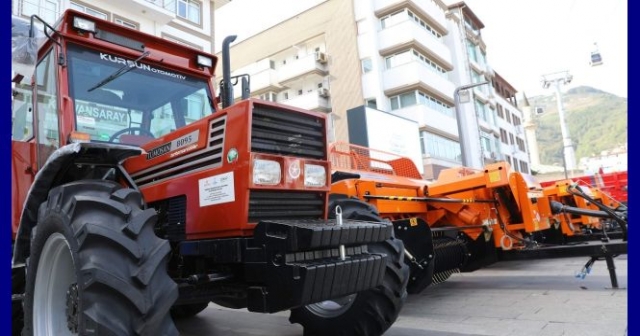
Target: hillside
<point>596,120</point>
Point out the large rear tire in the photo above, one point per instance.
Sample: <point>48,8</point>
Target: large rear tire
<point>96,266</point>
<point>368,313</point>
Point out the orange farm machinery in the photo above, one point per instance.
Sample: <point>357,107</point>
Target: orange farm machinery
<point>464,220</point>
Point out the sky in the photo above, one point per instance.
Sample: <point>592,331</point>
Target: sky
<point>525,39</point>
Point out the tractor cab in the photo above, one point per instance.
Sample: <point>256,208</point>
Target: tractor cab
<point>97,85</point>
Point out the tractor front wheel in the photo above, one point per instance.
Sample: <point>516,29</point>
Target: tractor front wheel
<point>96,266</point>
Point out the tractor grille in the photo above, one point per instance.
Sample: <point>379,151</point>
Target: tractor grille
<point>283,132</point>
<point>209,157</point>
<point>265,205</point>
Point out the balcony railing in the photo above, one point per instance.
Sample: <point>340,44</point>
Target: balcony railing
<point>399,36</point>
<point>308,65</point>
<point>399,78</point>
<point>316,100</point>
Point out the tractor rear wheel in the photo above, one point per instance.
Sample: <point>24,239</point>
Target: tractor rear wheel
<point>96,266</point>
<point>368,313</point>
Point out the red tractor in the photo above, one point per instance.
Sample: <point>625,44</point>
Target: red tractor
<point>136,198</point>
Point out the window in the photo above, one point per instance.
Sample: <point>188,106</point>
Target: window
<point>440,147</point>
<point>125,23</point>
<point>508,114</point>
<point>500,111</point>
<point>367,65</point>
<point>372,103</point>
<point>511,138</point>
<point>22,121</point>
<point>89,10</point>
<point>484,113</point>
<point>393,19</point>
<point>515,164</point>
<point>189,9</point>
<point>286,95</point>
<point>414,55</point>
<point>520,143</point>
<point>524,167</point>
<point>516,121</point>
<point>424,25</point>
<point>270,96</point>
<point>409,99</point>
<point>403,100</point>
<point>472,51</point>
<point>46,9</point>
<point>299,92</point>
<point>195,106</point>
<point>486,141</point>
<point>503,136</point>
<point>117,108</point>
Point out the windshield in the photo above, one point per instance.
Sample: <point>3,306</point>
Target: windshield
<point>142,104</point>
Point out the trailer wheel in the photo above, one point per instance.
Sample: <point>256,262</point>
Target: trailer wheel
<point>96,267</point>
<point>366,313</point>
<point>188,310</point>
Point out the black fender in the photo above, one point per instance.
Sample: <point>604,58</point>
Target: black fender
<point>60,169</point>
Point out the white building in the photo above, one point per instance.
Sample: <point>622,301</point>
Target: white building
<point>405,57</point>
<point>188,22</point>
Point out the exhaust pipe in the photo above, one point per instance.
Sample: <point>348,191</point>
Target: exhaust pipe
<point>226,87</point>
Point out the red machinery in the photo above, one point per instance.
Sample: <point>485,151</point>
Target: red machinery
<point>135,196</point>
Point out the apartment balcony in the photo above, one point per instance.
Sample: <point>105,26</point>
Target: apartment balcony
<point>317,100</point>
<point>415,75</point>
<point>408,34</point>
<point>427,9</point>
<point>160,11</point>
<point>426,116</point>
<point>261,82</point>
<point>312,65</point>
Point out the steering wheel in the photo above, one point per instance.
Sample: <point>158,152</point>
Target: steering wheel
<point>130,130</point>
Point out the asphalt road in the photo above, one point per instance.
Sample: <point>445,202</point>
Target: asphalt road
<point>514,298</point>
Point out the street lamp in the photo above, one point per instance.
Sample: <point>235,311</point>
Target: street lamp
<point>456,99</point>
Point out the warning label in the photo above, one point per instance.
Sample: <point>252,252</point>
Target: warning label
<point>216,189</point>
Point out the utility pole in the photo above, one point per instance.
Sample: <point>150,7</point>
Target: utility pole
<point>557,79</point>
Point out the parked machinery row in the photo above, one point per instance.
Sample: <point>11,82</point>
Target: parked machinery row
<point>466,219</point>
<point>139,196</point>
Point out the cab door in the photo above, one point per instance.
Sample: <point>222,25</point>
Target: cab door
<point>30,151</point>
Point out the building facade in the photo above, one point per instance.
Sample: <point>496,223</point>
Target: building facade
<point>188,22</point>
<point>404,57</point>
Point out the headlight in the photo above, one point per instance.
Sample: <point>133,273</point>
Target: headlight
<point>266,172</point>
<point>314,175</point>
<point>84,24</point>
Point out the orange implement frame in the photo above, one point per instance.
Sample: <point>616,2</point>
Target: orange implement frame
<point>346,156</point>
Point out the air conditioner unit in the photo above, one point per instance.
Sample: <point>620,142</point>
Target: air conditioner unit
<point>321,57</point>
<point>323,92</point>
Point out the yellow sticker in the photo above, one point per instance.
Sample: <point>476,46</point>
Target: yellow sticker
<point>494,176</point>
<point>563,190</point>
<point>413,221</point>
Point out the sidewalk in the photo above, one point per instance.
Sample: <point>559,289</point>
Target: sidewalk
<point>514,298</point>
